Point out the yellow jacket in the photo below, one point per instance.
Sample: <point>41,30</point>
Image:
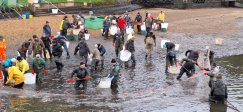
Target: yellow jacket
<point>16,74</point>
<point>61,24</point>
<point>161,17</point>
<point>23,66</point>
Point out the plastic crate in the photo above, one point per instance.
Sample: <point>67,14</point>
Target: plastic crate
<point>94,23</point>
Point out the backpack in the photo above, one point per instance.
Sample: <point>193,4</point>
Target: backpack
<point>149,41</point>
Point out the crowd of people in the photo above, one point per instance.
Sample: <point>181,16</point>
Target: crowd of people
<point>14,69</point>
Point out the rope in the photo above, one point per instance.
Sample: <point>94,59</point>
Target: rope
<point>232,106</point>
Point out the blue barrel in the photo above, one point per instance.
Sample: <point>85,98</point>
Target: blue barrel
<point>27,14</point>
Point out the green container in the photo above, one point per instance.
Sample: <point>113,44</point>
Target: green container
<point>72,37</point>
<point>10,3</point>
<point>94,23</point>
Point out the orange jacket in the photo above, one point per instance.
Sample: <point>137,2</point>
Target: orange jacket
<point>3,50</point>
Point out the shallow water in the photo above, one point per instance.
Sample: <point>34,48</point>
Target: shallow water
<point>142,88</point>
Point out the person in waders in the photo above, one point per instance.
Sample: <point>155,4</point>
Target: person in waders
<point>82,76</point>
<point>188,67</point>
<point>118,42</point>
<point>139,21</point>
<point>39,67</point>
<point>170,61</point>
<point>47,30</point>
<point>150,43</point>
<point>83,49</point>
<point>114,72</point>
<point>219,90</point>
<point>61,40</point>
<point>47,42</point>
<point>131,48</point>
<point>24,50</point>
<point>57,53</point>
<point>102,50</point>
<point>37,46</point>
<point>95,59</point>
<point>169,46</point>
<point>106,25</point>
<point>3,47</point>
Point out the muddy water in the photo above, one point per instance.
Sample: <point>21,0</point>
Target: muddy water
<point>140,88</point>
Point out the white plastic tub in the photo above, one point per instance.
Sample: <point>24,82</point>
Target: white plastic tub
<point>54,11</point>
<point>29,78</point>
<point>86,36</point>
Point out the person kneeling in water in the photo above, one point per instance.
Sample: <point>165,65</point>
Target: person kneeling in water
<point>15,74</point>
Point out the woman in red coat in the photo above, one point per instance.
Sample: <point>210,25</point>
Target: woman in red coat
<point>122,25</point>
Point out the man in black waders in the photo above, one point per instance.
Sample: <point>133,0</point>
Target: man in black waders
<point>60,39</point>
<point>57,53</point>
<point>83,49</point>
<point>114,72</point>
<point>188,67</point>
<point>219,90</point>
<point>82,76</point>
<point>118,41</point>
<point>130,47</point>
<point>170,61</point>
<point>47,42</point>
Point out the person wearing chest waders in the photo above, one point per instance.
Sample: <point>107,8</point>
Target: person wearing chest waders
<point>188,67</point>
<point>37,46</point>
<point>7,63</point>
<point>114,72</point>
<point>131,48</point>
<point>15,74</point>
<point>3,48</point>
<point>118,42</point>
<point>191,54</point>
<point>81,78</point>
<point>47,42</point>
<point>25,49</point>
<point>210,54</point>
<point>47,30</point>
<point>95,59</point>
<point>219,90</point>
<point>170,61</point>
<point>106,25</point>
<point>150,43</point>
<point>139,20</point>
<point>39,67</point>
<point>83,49</point>
<point>61,40</point>
<point>57,53</point>
<point>102,50</point>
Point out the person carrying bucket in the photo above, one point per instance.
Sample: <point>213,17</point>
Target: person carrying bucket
<point>39,67</point>
<point>170,61</point>
<point>22,65</point>
<point>130,47</point>
<point>82,76</point>
<point>161,19</point>
<point>15,74</point>
<point>118,41</point>
<point>150,42</point>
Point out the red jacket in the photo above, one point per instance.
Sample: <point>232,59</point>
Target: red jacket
<point>121,23</point>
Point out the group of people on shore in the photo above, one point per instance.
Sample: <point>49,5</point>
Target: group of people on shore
<point>16,68</point>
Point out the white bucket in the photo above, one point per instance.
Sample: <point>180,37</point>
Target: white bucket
<point>86,36</point>
<point>129,30</point>
<point>219,41</point>
<point>125,55</point>
<point>105,83</point>
<point>36,1</point>
<point>76,31</point>
<point>177,46</point>
<point>163,46</point>
<point>113,30</point>
<point>164,25</point>
<point>54,11</point>
<point>143,28</point>
<point>29,78</point>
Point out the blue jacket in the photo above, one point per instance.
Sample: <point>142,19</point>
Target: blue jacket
<point>7,63</point>
<point>47,30</point>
